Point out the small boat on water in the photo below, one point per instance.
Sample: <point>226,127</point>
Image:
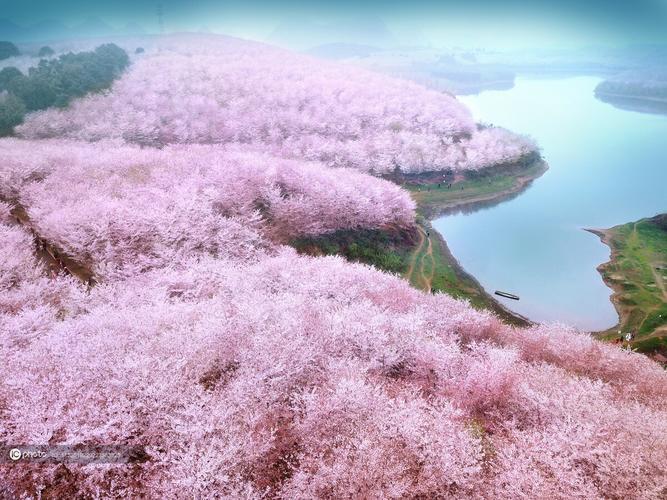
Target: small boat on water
<point>507,295</point>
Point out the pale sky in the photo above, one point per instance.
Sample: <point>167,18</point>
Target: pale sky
<point>488,23</point>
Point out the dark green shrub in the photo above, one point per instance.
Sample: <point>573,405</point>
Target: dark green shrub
<point>36,92</point>
<point>55,82</point>
<point>7,50</point>
<point>7,75</point>
<point>12,111</point>
<point>45,51</point>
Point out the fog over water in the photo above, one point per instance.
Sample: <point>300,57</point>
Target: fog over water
<point>607,167</point>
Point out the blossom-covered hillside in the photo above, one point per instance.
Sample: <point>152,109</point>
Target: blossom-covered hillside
<point>274,375</point>
<point>231,366</point>
<point>211,89</point>
<point>242,369</point>
<point>119,206</point>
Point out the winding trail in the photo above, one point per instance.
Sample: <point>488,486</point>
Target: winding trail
<point>626,311</point>
<point>428,279</point>
<point>417,263</point>
<point>413,257</point>
<point>652,265</point>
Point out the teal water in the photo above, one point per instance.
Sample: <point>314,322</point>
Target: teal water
<point>607,166</point>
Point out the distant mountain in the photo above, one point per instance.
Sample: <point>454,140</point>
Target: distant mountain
<point>52,29</point>
<point>302,33</point>
<point>92,26</point>
<point>342,50</point>
<point>8,30</point>
<point>44,30</point>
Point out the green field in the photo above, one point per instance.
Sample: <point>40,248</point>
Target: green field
<point>638,274</point>
<point>388,250</point>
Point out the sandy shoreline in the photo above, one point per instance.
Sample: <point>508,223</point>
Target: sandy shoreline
<point>616,289</point>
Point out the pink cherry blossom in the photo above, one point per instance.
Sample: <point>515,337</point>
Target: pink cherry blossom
<point>243,370</point>
<point>213,89</point>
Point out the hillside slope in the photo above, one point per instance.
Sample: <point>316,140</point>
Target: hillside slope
<point>212,89</point>
<point>220,363</point>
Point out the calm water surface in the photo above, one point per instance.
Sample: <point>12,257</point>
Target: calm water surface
<point>607,167</point>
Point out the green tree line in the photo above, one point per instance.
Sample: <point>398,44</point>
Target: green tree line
<point>55,82</point>
<point>637,88</point>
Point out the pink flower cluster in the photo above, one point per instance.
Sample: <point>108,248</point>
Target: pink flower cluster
<point>300,377</point>
<point>211,89</point>
<point>243,370</point>
<point>119,206</point>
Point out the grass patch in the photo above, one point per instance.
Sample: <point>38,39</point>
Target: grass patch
<point>449,277</point>
<point>487,187</point>
<point>654,319</point>
<point>651,345</point>
<point>387,250</point>
<point>635,272</point>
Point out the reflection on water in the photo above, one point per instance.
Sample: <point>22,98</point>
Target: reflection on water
<point>607,166</point>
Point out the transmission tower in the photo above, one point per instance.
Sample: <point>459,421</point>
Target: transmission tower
<point>160,18</point>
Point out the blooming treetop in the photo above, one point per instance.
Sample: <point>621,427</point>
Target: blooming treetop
<point>243,370</point>
<point>213,89</point>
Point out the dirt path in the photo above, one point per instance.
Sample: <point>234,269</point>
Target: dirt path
<point>417,273</point>
<point>428,279</point>
<point>657,278</point>
<point>661,331</point>
<point>413,257</point>
<point>659,281</point>
<point>626,311</point>
<point>54,259</point>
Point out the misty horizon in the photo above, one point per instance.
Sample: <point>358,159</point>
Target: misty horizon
<point>513,26</point>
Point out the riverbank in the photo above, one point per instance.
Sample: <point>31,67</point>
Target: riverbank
<point>421,254</point>
<point>433,268</point>
<point>461,193</point>
<point>475,190</point>
<point>637,273</point>
<point>630,102</point>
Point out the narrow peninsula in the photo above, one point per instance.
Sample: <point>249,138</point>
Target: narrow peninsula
<point>637,272</point>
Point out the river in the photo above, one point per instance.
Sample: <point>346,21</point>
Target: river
<point>607,166</point>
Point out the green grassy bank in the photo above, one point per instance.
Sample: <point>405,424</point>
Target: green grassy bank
<point>637,272</point>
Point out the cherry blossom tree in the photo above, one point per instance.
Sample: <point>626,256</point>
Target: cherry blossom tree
<point>302,377</point>
<point>240,369</point>
<point>212,89</point>
<point>115,206</point>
